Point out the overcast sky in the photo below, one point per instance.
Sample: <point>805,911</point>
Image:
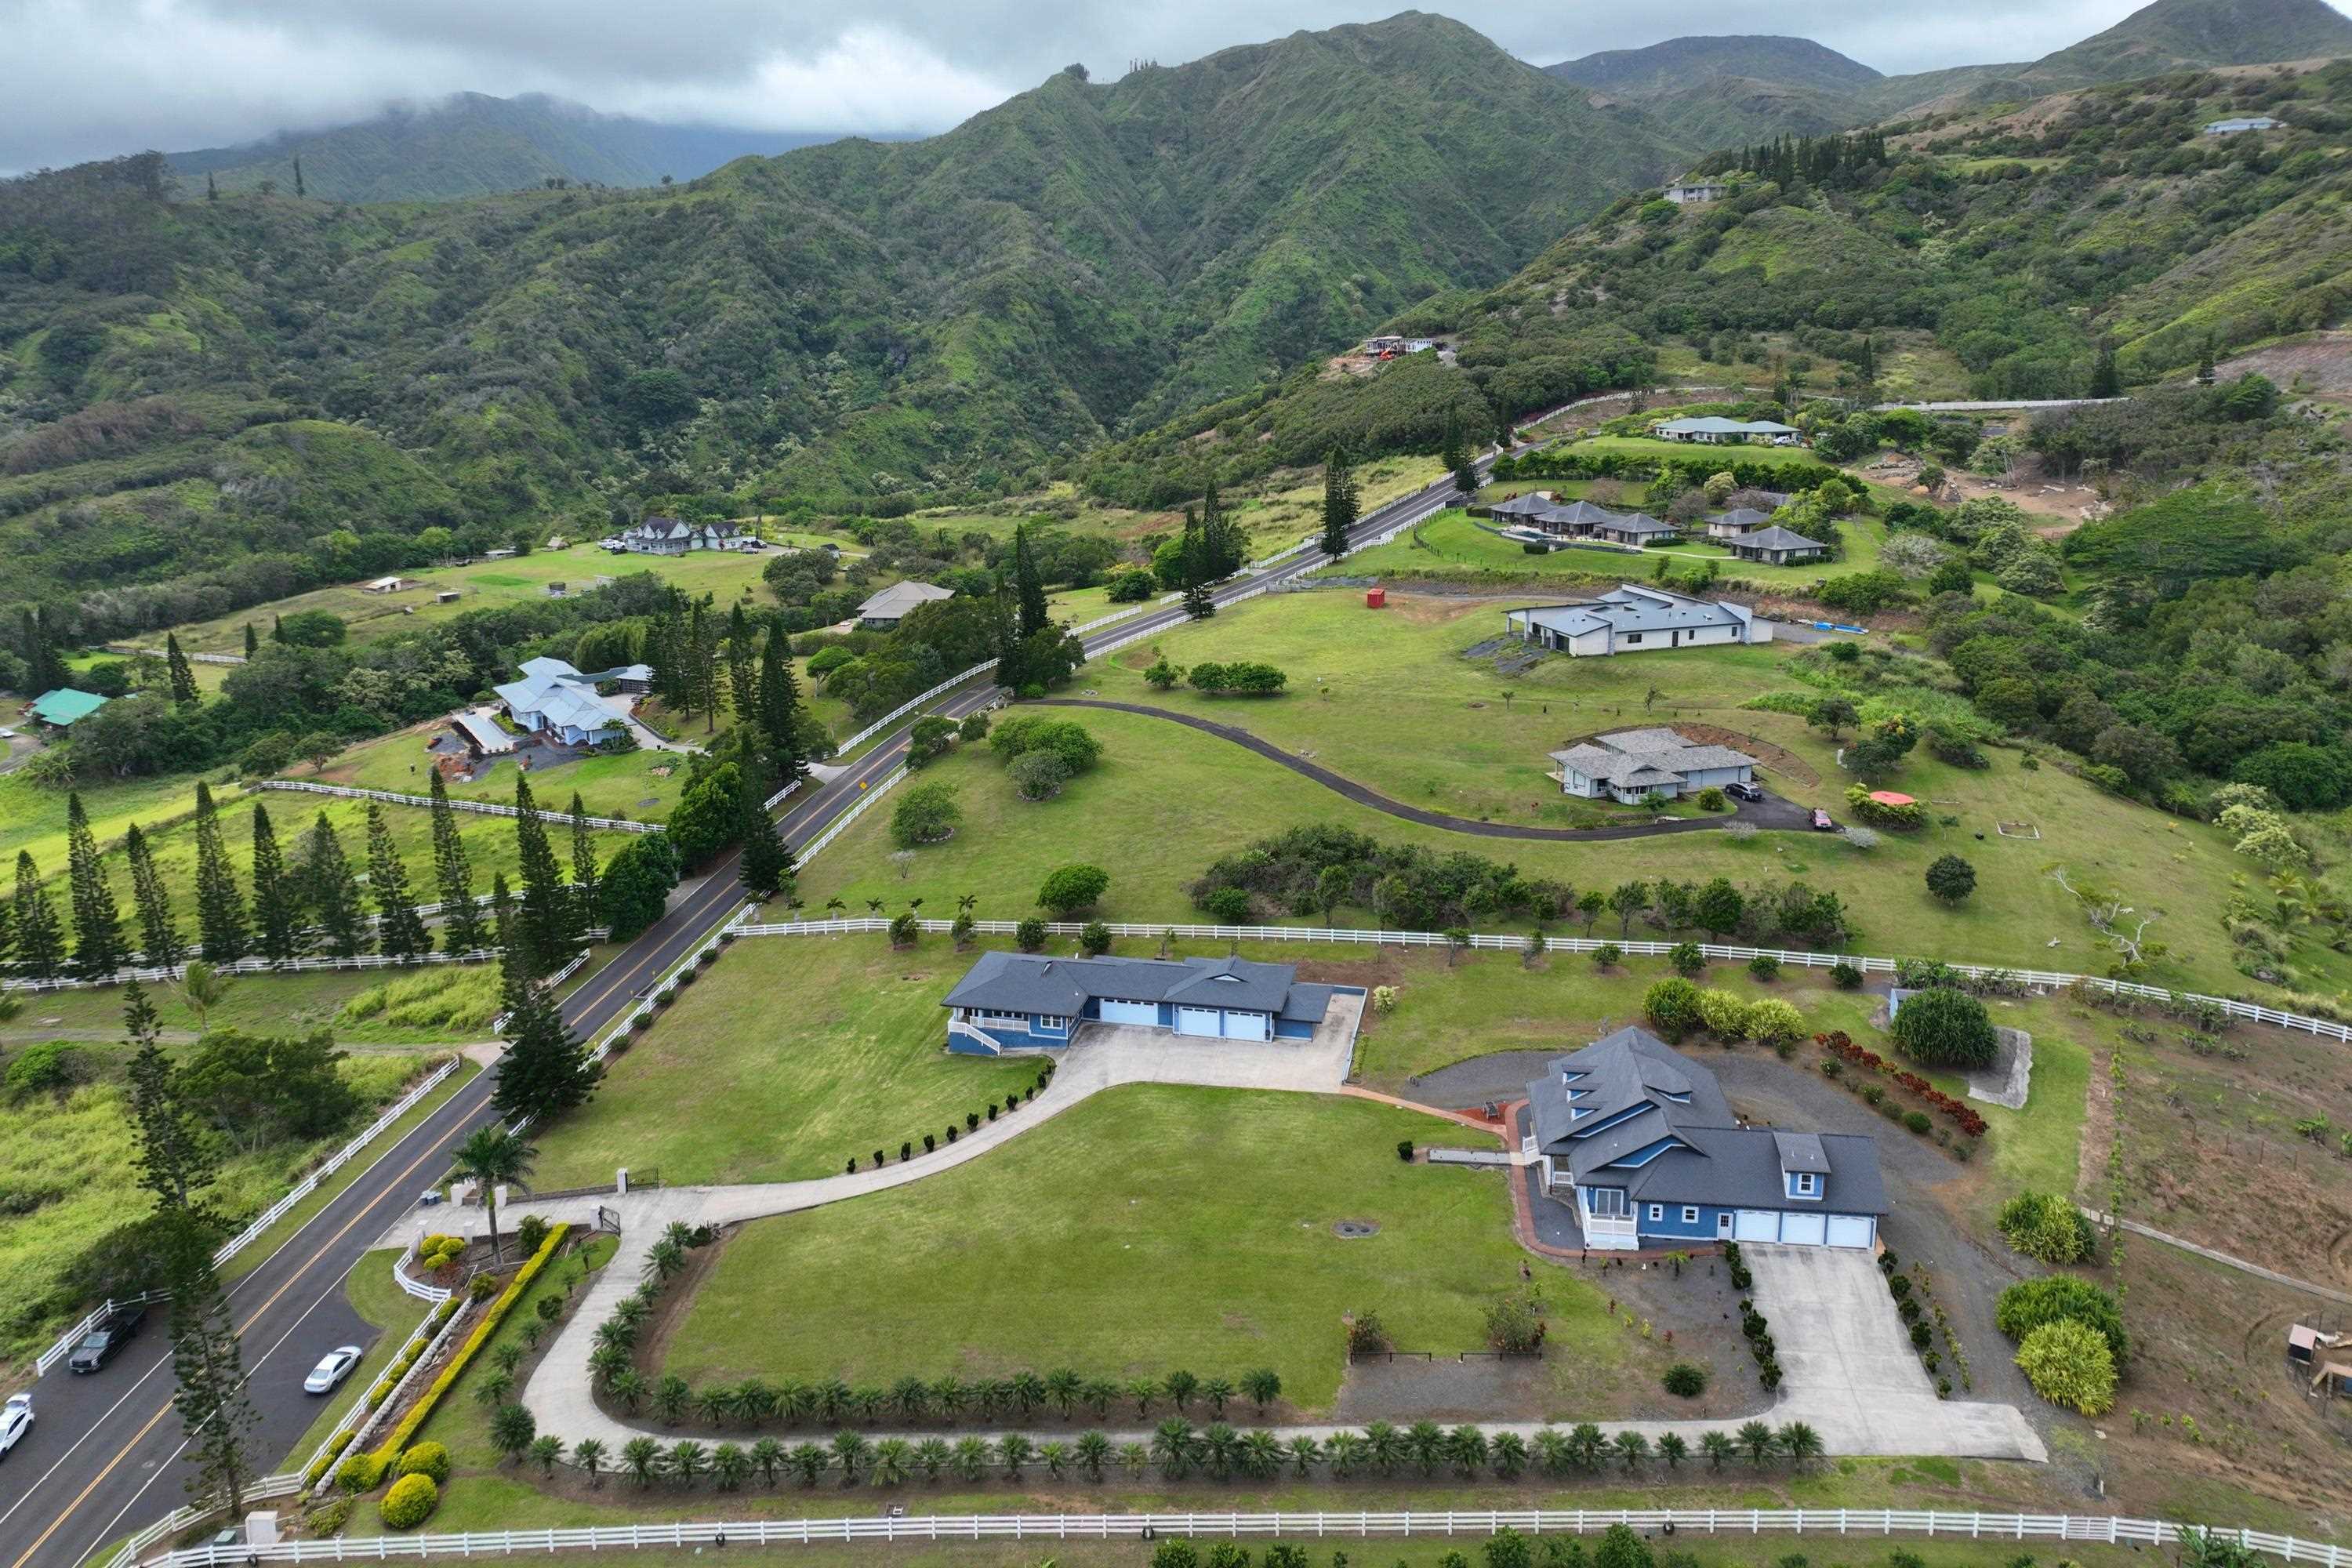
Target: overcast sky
<point>84,79</point>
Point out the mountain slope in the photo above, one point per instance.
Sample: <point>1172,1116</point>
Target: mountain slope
<point>952,317</point>
<point>472,144</point>
<point>2171,35</point>
<point>1676,65</point>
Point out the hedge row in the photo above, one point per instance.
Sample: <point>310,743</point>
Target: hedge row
<point>1574,463</point>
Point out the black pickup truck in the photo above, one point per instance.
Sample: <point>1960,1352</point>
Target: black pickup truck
<point>114,1332</point>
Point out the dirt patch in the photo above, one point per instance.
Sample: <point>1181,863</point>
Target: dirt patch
<point>2316,365</point>
<point>1774,759</point>
<point>2068,506</point>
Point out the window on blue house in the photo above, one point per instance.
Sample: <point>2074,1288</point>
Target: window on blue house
<point>1690,1213</point>
<point>1657,1211</point>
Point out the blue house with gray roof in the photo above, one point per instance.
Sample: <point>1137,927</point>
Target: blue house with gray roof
<point>1635,619</point>
<point>1638,1139</point>
<point>1012,1001</point>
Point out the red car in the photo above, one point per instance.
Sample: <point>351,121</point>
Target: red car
<point>1822,823</point>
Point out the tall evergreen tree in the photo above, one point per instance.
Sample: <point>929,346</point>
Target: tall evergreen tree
<point>780,708</point>
<point>174,1158</point>
<point>1222,539</point>
<point>545,1069</point>
<point>581,905</point>
<point>703,634</point>
<point>503,933</point>
<point>98,947</point>
<point>278,931</point>
<point>159,933</point>
<point>1028,585</point>
<point>1198,573</point>
<point>1869,361</point>
<point>212,190</point>
<point>2107,376</point>
<point>252,641</point>
<point>2205,368</point>
<point>743,679</point>
<point>210,1393</point>
<point>544,922</point>
<point>332,893</point>
<point>298,178</point>
<point>220,908</point>
<point>277,628</point>
<point>183,674</point>
<point>1453,451</point>
<point>40,936</point>
<point>400,930</point>
<point>461,918</point>
<point>766,867</point>
<point>45,667</point>
<point>1341,504</point>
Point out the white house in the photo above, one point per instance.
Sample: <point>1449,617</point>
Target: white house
<point>1636,619</point>
<point>2254,122</point>
<point>553,699</point>
<point>1739,520</point>
<point>886,609</point>
<point>1713,430</point>
<point>669,536</point>
<point>1688,192</point>
<point>1630,765</point>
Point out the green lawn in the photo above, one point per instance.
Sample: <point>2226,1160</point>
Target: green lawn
<point>788,1056</point>
<point>1147,1228</point>
<point>373,1295</point>
<point>65,1164</point>
<point>1454,545</point>
<point>640,785</point>
<point>278,1003</point>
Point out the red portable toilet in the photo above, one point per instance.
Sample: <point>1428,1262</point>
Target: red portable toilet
<point>1376,599</point>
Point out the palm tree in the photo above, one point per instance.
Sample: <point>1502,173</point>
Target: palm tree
<point>1172,1447</point>
<point>755,1401</point>
<point>588,1454</point>
<point>1718,1445</point>
<point>641,1456</point>
<point>731,1465</point>
<point>1345,1451</point>
<point>1553,1451</point>
<point>1467,1446</point>
<point>1063,1386</point>
<point>509,1355</point>
<point>495,1386</point>
<point>606,1361</point>
<point>1143,1390</point>
<point>850,1451</point>
<point>809,1462</point>
<point>1757,1441</point>
<point>1216,1391</point>
<point>1012,1451</point>
<point>873,906</point>
<point>686,1460</point>
<point>202,988</point>
<point>1028,1391</point>
<point>1098,1396</point>
<point>1093,1451</point>
<point>1425,1441</point>
<point>548,1449</point>
<point>1633,1447</point>
<point>664,1260</point>
<point>1584,1444</point>
<point>950,1396</point>
<point>832,1401</point>
<point>970,1460</point>
<point>1263,1386</point>
<point>1304,1451</point>
<point>1179,1387</point>
<point>1384,1444</point>
<point>512,1430</point>
<point>892,1458</point>
<point>1673,1449</point>
<point>1132,1457</point>
<point>1800,1443</point>
<point>911,1397</point>
<point>768,1458</point>
<point>1055,1455</point>
<point>836,906</point>
<point>671,1395</point>
<point>931,1456</point>
<point>793,1400</point>
<point>966,902</point>
<point>492,1156</point>
<point>629,1387</point>
<point>1508,1454</point>
<point>1219,1444</point>
<point>1261,1454</point>
<point>715,1404</point>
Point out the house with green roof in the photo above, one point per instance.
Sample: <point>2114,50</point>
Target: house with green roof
<point>58,709</point>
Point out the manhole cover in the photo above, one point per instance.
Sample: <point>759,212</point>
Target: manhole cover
<point>1350,1229</point>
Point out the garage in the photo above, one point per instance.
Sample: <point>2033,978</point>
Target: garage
<point>1206,1021</point>
<point>1144,1013</point>
<point>1801,1229</point>
<point>1851,1230</point>
<point>1758,1224</point>
<point>1248,1027</point>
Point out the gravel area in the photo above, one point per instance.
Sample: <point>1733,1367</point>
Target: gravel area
<point>1503,1076</point>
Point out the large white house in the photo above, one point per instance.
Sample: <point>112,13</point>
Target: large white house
<point>669,536</point>
<point>553,699</point>
<point>1636,619</point>
<point>1629,765</point>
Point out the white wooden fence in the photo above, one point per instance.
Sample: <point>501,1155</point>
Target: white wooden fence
<point>166,653</point>
<point>181,1518</point>
<point>482,807</point>
<point>2030,979</point>
<point>73,1336</point>
<point>255,966</point>
<point>1836,1522</point>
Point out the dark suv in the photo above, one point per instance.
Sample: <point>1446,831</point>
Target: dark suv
<point>1740,790</point>
<point>99,1346</point>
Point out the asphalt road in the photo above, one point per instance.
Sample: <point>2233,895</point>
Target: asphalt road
<point>104,1455</point>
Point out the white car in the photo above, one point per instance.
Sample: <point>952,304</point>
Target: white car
<point>15,1420</point>
<point>332,1368</point>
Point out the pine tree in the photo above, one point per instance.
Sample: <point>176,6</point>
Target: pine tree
<point>780,708</point>
<point>278,933</point>
<point>220,908</point>
<point>212,191</point>
<point>332,893</point>
<point>277,628</point>
<point>702,649</point>
<point>742,680</point>
<point>40,937</point>
<point>159,933</point>
<point>183,676</point>
<point>1869,363</point>
<point>252,641</point>
<point>766,867</point>
<point>461,918</point>
<point>2107,376</point>
<point>298,178</point>
<point>174,1157</point>
<point>400,930</point>
<point>1198,604</point>
<point>539,943</point>
<point>503,934</point>
<point>1453,451</point>
<point>2205,372</point>
<point>581,904</point>
<point>44,670</point>
<point>1028,586</point>
<point>210,1393</point>
<point>545,1070</point>
<point>98,947</point>
<point>1222,541</point>
<point>1339,502</point>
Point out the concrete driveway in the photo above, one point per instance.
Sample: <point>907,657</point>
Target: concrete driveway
<point>1848,1369</point>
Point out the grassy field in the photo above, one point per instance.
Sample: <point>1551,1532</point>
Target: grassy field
<point>640,785</point>
<point>788,1056</point>
<point>333,999</point>
<point>373,1295</point>
<point>1362,679</point>
<point>1214,1251</point>
<point>484,585</point>
<point>1452,544</point>
<point>66,1167</point>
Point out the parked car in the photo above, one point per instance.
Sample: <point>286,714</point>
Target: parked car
<point>1822,823</point>
<point>15,1420</point>
<point>100,1345</point>
<point>1742,791</point>
<point>332,1368</point>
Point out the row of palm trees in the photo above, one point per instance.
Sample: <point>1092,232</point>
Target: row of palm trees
<point>1177,1450</point>
<point>949,1400</point>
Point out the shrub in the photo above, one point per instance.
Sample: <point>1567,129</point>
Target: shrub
<point>1030,934</point>
<point>1916,1120</point>
<point>425,1459</point>
<point>410,1502</point>
<point>1131,586</point>
<point>531,1234</point>
<point>1069,889</point>
<point>330,1521</point>
<point>1764,966</point>
<point>1040,776</point>
<point>1094,940</point>
<point>2061,1298</point>
<point>1672,1007</point>
<point>904,929</point>
<point>1725,1016</point>
<point>360,1473</point>
<point>1025,733</point>
<point>1774,1022</point>
<point>2046,1227</point>
<point>1710,799</point>
<point>1846,976</point>
<point>447,1375</point>
<point>1951,878</point>
<point>1686,1380</point>
<point>1229,906</point>
<point>1686,958</point>
<point>927,813</point>
<point>1944,1028</point>
<point>2068,1362</point>
<point>1608,955</point>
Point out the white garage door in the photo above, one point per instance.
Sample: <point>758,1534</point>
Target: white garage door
<point>1199,1021</point>
<point>1248,1027</point>
<point>1758,1224</point>
<point>1801,1229</point>
<point>1849,1230</point>
<point>1130,1012</point>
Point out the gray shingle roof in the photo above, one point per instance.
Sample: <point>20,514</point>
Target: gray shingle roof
<point>1579,514</point>
<point>1776,538</point>
<point>1032,983</point>
<point>893,602</point>
<point>1529,505</point>
<point>1638,522</point>
<point>1800,1151</point>
<point>1743,517</point>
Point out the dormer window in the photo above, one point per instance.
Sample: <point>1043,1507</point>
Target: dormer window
<point>1804,1185</point>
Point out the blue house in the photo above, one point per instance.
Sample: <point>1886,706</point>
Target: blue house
<point>1013,1001</point>
<point>1638,1139</point>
